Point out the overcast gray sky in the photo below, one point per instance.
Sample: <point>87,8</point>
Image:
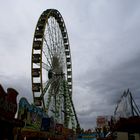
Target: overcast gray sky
<point>105,48</point>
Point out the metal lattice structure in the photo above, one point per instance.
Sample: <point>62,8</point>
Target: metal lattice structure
<point>52,69</point>
<point>126,106</point>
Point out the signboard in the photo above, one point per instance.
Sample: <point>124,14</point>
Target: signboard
<point>30,114</point>
<point>101,121</point>
<point>47,124</point>
<point>58,128</point>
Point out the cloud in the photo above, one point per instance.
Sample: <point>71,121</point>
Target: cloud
<point>21,84</point>
<point>104,41</point>
<point>103,90</point>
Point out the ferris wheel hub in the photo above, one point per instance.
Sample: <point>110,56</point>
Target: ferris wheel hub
<point>52,74</point>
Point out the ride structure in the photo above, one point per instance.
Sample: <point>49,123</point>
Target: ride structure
<point>51,69</point>
<point>126,106</point>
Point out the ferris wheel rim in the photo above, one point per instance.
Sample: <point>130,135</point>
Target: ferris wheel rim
<point>38,44</point>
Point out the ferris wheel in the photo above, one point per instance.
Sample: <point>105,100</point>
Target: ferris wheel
<point>51,68</point>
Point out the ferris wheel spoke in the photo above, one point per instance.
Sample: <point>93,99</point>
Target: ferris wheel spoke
<point>48,83</point>
<point>56,38</point>
<point>47,58</point>
<point>45,66</point>
<point>56,103</point>
<point>44,84</point>
<point>61,53</point>
<point>50,32</point>
<point>49,50</point>
<point>55,27</point>
<point>56,89</point>
<point>48,40</point>
<point>49,98</point>
<point>57,85</point>
<point>59,39</point>
<point>51,37</point>
<point>53,34</point>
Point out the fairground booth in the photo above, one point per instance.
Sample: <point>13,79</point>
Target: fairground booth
<point>8,109</point>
